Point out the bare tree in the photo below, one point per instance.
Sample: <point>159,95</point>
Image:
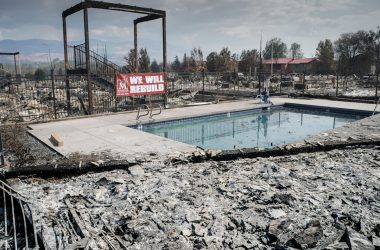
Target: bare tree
<point>196,60</point>
<point>144,61</point>
<point>131,61</point>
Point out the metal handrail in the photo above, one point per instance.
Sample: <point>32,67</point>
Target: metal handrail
<point>377,104</point>
<point>13,194</point>
<point>98,58</point>
<point>154,114</point>
<point>138,112</point>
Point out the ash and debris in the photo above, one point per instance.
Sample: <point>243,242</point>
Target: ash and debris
<point>22,150</point>
<point>325,200</point>
<point>322,200</point>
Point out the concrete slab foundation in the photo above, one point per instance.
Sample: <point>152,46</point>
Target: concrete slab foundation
<point>110,135</point>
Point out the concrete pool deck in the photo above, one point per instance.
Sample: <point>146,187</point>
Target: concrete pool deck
<point>108,134</point>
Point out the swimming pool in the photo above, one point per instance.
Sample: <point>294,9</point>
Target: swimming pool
<point>251,128</point>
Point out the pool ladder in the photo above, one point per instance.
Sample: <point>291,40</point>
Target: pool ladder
<point>377,104</point>
<point>149,111</point>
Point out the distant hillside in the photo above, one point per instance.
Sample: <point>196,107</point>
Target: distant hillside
<point>36,50</point>
<point>32,50</point>
<point>31,46</point>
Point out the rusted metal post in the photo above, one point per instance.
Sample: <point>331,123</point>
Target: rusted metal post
<point>304,83</point>
<point>377,84</point>
<point>14,223</point>
<point>261,62</point>
<point>280,81</point>
<point>5,218</point>
<point>53,92</point>
<point>25,225</point>
<point>88,70</point>
<point>75,56</point>
<point>68,103</point>
<point>235,75</point>
<point>164,57</point>
<point>337,84</point>
<point>2,159</point>
<point>203,84</point>
<point>14,58</point>
<point>135,47</point>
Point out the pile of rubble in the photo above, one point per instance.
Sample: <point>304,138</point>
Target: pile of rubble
<point>34,101</point>
<point>327,200</point>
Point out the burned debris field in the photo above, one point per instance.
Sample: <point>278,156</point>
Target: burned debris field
<point>323,200</point>
<point>264,135</point>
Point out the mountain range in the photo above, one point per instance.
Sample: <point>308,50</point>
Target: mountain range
<point>37,50</point>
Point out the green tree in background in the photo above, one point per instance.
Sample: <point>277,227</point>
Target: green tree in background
<point>29,76</point>
<point>154,67</point>
<point>248,60</point>
<point>227,64</point>
<point>39,74</point>
<point>355,52</point>
<point>176,65</point>
<point>185,65</point>
<point>325,55</point>
<point>279,49</point>
<point>213,62</point>
<point>295,50</point>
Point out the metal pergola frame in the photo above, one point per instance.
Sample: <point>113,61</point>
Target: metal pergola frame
<point>150,14</point>
<point>14,58</point>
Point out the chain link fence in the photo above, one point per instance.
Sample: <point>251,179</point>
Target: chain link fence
<point>58,97</point>
<point>325,86</point>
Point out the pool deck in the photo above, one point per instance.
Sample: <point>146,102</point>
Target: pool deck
<point>109,135</point>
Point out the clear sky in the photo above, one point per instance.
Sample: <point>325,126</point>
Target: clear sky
<point>209,24</point>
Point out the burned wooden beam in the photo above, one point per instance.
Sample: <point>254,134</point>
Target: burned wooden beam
<point>9,53</point>
<point>112,6</point>
<point>146,18</point>
<point>72,10</point>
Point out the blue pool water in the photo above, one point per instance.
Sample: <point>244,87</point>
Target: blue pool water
<point>249,129</point>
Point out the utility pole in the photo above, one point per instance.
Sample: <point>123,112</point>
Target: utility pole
<point>203,85</point>
<point>280,80</point>
<point>377,69</point>
<point>52,67</point>
<point>271,65</point>
<point>66,59</point>
<point>261,40</point>
<point>377,83</point>
<point>337,84</point>
<point>53,92</point>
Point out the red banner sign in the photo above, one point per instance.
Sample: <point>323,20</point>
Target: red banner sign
<point>140,84</point>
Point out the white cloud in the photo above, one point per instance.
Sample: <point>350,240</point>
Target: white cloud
<point>30,31</point>
<point>110,31</point>
<point>209,24</point>
<point>241,31</point>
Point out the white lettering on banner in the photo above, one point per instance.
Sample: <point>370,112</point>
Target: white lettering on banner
<point>147,88</point>
<point>135,80</point>
<point>140,84</point>
<point>154,79</point>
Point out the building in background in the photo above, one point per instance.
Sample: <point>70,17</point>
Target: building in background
<point>289,65</point>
